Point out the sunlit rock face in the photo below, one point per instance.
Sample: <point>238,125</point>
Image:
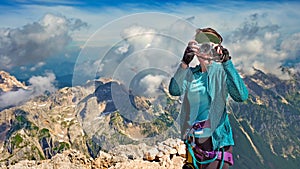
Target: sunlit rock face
<point>9,83</point>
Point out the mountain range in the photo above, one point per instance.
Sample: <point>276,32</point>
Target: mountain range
<point>103,114</point>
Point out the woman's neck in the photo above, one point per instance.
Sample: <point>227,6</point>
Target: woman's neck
<point>203,67</point>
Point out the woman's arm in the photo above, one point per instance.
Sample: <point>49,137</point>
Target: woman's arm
<point>235,84</point>
<point>176,86</point>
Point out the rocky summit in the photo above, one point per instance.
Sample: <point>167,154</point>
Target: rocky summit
<point>169,154</point>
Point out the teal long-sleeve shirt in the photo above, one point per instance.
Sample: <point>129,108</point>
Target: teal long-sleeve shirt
<point>213,88</point>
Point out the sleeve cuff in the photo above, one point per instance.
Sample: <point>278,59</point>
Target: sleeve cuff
<point>228,63</point>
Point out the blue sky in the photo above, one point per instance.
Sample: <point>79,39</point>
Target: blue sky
<point>252,29</point>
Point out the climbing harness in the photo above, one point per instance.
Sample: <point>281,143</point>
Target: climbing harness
<point>195,155</point>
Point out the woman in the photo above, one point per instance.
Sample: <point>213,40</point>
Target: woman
<point>205,125</point>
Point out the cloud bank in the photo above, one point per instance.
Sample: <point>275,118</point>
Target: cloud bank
<point>256,43</point>
<point>36,41</point>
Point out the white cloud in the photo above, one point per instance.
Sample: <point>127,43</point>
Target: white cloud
<point>274,20</point>
<point>253,41</point>
<point>257,44</point>
<point>36,41</point>
<point>152,83</point>
<point>291,45</point>
<point>142,45</point>
<point>151,48</point>
<point>139,36</point>
<point>38,85</point>
<point>123,49</point>
<point>38,65</point>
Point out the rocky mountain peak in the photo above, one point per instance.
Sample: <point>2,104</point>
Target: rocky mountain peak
<point>9,83</point>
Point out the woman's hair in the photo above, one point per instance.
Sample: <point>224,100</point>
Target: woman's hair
<point>210,33</point>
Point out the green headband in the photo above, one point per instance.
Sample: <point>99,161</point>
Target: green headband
<point>207,37</point>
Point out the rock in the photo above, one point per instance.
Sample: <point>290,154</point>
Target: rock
<point>137,164</point>
<point>70,159</point>
<point>103,161</point>
<point>177,162</point>
<point>10,83</point>
<point>131,151</point>
<point>181,150</point>
<point>74,159</point>
<point>160,154</point>
<point>165,161</point>
<point>150,155</point>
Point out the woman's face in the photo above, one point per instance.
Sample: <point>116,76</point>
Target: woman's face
<point>206,53</point>
<point>204,58</point>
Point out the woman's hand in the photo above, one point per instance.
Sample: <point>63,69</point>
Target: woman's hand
<point>191,50</point>
<point>224,53</point>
